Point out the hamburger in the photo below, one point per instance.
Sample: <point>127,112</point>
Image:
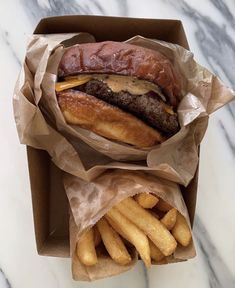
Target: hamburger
<point>120,91</point>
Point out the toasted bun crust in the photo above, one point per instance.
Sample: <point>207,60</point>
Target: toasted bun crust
<point>124,59</point>
<point>106,120</point>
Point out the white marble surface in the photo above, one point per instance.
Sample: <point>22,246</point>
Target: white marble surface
<point>210,29</point>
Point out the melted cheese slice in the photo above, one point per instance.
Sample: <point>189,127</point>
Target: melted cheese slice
<point>115,82</point>
<point>70,83</point>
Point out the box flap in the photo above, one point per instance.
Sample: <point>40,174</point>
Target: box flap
<point>119,28</point>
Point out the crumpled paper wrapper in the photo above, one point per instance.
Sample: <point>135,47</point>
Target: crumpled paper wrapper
<point>89,202</point>
<point>40,122</point>
<point>105,267</point>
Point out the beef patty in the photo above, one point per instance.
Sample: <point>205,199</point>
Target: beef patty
<point>147,107</point>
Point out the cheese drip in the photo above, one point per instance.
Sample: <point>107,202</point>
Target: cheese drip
<point>115,82</point>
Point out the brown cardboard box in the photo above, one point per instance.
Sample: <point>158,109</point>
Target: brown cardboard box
<point>50,205</point>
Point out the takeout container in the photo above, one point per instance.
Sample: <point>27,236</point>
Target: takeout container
<point>83,155</point>
<point>50,205</point>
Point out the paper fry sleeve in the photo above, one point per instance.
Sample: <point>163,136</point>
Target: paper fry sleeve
<point>90,201</point>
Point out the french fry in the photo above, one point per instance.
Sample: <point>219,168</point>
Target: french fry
<point>86,248</point>
<point>113,243</point>
<point>163,206</point>
<point>118,230</point>
<point>152,227</point>
<point>146,200</point>
<point>155,253</point>
<point>97,237</point>
<point>169,218</point>
<point>131,233</point>
<point>116,227</point>
<point>181,231</point>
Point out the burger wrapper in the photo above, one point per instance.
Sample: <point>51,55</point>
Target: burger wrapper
<point>85,154</point>
<point>90,201</point>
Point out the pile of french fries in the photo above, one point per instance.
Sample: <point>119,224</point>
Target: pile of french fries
<point>148,223</point>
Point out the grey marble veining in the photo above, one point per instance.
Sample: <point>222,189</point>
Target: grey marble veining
<point>4,37</point>
<point>213,42</point>
<point>229,139</point>
<point>219,275</point>
<point>231,108</point>
<point>4,282</point>
<point>223,8</point>
<point>218,48</point>
<point>146,276</point>
<point>37,10</point>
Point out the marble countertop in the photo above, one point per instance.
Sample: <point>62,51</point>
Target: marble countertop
<point>209,26</point>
